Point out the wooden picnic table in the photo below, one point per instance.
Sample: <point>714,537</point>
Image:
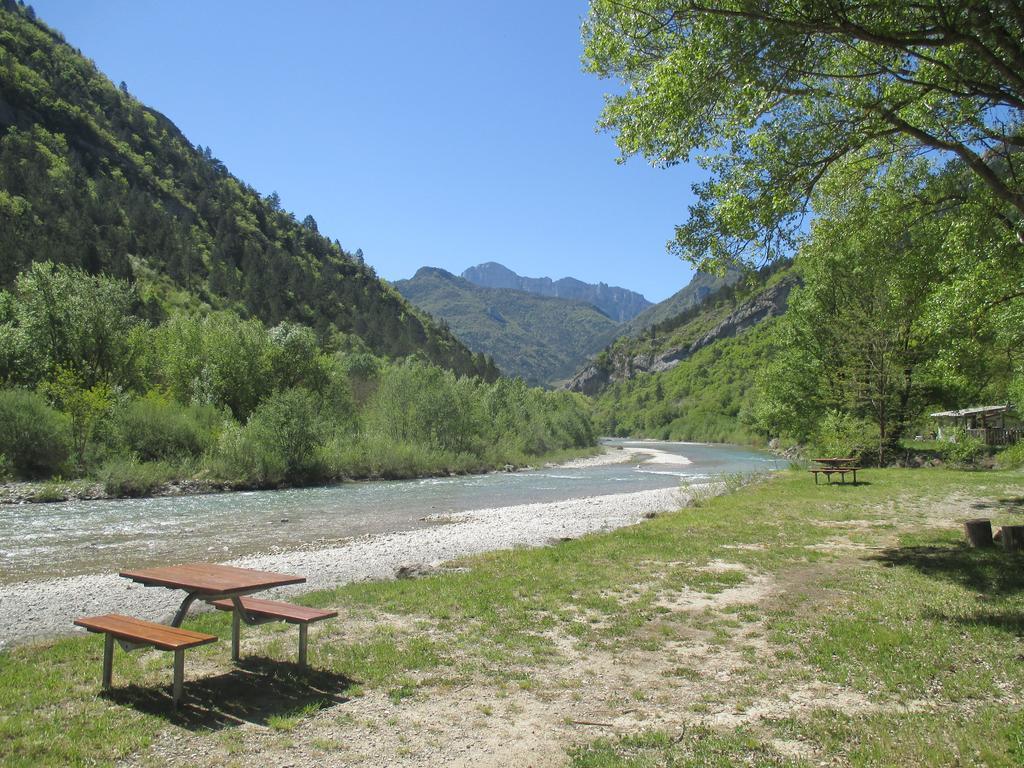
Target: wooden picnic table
<point>226,587</point>
<point>209,582</point>
<point>835,465</point>
<point>836,462</point>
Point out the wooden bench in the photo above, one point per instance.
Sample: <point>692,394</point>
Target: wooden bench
<point>261,611</point>
<point>134,633</point>
<point>829,471</point>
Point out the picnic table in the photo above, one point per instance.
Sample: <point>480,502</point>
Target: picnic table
<point>209,582</point>
<point>226,588</point>
<point>835,466</point>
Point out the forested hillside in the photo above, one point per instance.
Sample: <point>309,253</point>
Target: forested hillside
<point>162,325</point>
<point>689,296</point>
<point>92,178</point>
<point>691,376</point>
<point>541,339</point>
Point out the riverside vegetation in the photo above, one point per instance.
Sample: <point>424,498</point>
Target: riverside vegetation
<point>94,390</point>
<point>783,624</point>
<point>873,150</point>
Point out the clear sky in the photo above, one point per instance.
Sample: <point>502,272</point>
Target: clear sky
<point>443,133</point>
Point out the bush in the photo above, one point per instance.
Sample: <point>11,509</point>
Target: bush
<point>962,449</point>
<point>281,442</point>
<point>1011,457</point>
<point>131,478</point>
<point>157,429</point>
<point>34,436</point>
<point>842,434</point>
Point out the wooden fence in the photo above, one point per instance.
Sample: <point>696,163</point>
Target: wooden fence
<point>997,435</point>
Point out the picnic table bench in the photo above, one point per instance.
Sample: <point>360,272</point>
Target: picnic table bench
<point>256,611</point>
<point>225,587</point>
<point>134,633</point>
<point>835,466</point>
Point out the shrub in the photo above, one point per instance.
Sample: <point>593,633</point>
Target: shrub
<point>962,449</point>
<point>131,478</point>
<point>157,429</point>
<point>842,434</point>
<point>280,443</point>
<point>34,436</point>
<point>1011,457</point>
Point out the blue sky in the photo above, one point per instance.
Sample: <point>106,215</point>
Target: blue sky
<point>445,133</point>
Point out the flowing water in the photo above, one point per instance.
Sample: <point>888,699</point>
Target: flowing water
<point>63,539</point>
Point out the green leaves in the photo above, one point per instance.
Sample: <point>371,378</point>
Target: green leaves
<point>770,97</point>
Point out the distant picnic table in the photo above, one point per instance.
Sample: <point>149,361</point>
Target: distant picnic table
<point>835,466</point>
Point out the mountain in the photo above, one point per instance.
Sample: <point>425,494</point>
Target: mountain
<point>618,303</point>
<point>693,293</point>
<point>93,178</point>
<point>541,339</point>
<point>690,377</point>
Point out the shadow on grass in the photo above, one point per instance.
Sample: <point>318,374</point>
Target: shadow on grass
<point>1013,505</point>
<point>990,571</point>
<point>847,484</point>
<point>1011,623</point>
<point>256,690</point>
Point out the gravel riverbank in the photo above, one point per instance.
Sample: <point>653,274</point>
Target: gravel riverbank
<point>35,609</point>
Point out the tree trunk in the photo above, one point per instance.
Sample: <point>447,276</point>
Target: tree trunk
<point>979,532</point>
<point>1013,538</point>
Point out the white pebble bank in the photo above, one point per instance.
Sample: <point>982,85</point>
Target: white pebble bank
<point>35,609</point>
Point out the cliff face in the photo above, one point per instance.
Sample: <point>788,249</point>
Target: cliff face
<point>623,364</point>
<point>617,303</point>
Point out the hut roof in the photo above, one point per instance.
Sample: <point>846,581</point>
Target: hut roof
<point>987,410</point>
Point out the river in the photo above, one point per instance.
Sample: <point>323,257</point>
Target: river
<point>81,537</point>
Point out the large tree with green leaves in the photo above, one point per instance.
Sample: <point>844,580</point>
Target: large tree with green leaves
<point>890,317</point>
<point>772,96</point>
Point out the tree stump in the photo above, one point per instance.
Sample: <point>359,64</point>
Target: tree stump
<point>1013,538</point>
<point>979,532</point>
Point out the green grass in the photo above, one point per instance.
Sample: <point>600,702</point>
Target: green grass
<point>921,633</point>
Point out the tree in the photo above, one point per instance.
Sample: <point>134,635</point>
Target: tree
<point>67,319</point>
<point>858,334</point>
<point>774,95</point>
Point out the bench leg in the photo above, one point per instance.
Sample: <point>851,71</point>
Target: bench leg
<point>108,660</point>
<point>303,642</point>
<point>179,675</point>
<point>236,629</point>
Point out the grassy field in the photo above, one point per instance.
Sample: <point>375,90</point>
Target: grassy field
<point>782,624</point>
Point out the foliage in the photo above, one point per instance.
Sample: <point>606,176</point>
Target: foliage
<point>843,435</point>
<point>1011,457</point>
<point>132,478</point>
<point>34,436</point>
<point>280,443</point>
<point>63,318</point>
<point>775,97</point>
<point>961,448</point>
<point>88,409</point>
<point>92,178</point>
<point>156,428</point>
<point>261,407</point>
<point>542,339</point>
<point>881,328</point>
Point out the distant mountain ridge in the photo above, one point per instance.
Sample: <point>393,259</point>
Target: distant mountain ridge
<point>542,339</point>
<point>693,293</point>
<point>620,304</point>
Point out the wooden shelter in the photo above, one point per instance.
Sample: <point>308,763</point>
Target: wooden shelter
<point>993,424</point>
